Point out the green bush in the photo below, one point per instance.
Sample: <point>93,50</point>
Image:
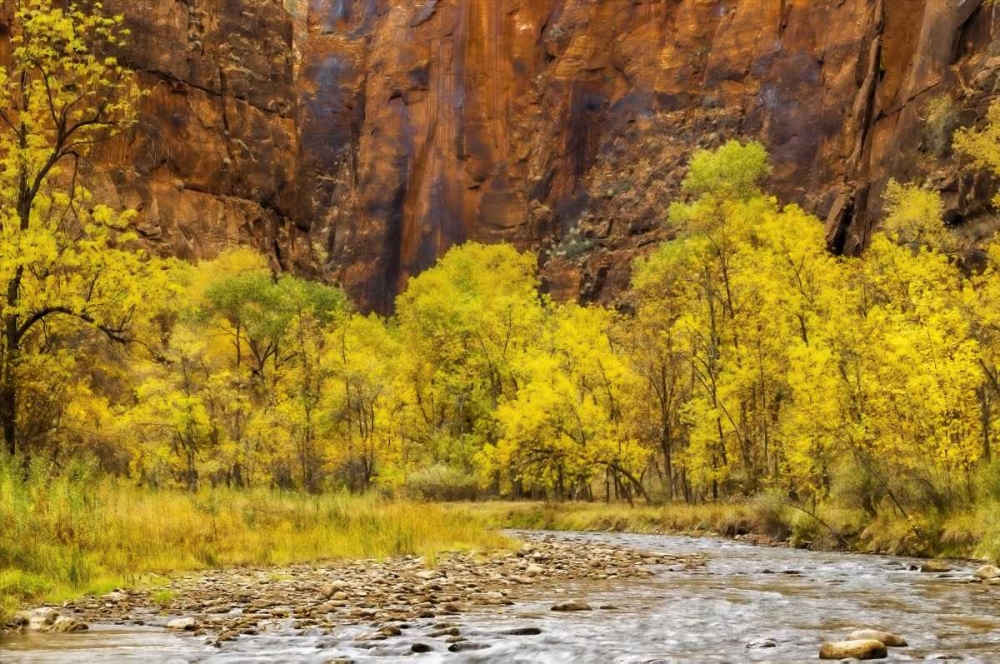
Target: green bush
<point>770,515</point>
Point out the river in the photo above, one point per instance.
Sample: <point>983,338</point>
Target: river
<point>745,594</point>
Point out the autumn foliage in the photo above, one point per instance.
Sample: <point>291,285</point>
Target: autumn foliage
<point>747,358</point>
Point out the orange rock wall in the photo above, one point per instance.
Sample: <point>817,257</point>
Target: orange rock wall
<point>425,124</point>
<point>357,140</point>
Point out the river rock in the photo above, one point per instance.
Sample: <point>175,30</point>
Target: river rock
<point>864,649</point>
<point>330,589</point>
<point>523,631</point>
<point>446,631</point>
<point>761,644</point>
<point>575,605</point>
<point>421,648</point>
<point>987,572</point>
<point>936,567</point>
<point>188,624</point>
<point>38,619</point>
<point>67,625</point>
<point>466,646</point>
<point>888,638</point>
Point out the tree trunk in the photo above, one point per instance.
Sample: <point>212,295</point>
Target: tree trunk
<point>8,388</point>
<point>8,414</point>
<point>668,462</point>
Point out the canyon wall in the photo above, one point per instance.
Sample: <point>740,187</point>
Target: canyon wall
<point>357,140</point>
<point>564,125</point>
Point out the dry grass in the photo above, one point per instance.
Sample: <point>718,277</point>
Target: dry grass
<point>74,532</point>
<point>715,518</point>
<point>967,535</point>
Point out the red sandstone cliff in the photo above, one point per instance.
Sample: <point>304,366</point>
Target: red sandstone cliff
<point>359,139</point>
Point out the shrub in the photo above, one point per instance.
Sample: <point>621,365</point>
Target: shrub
<point>940,122</point>
<point>441,482</point>
<point>770,515</point>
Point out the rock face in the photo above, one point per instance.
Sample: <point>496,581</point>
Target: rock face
<point>359,139</point>
<point>522,120</point>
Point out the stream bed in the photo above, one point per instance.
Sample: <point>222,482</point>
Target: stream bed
<point>747,603</point>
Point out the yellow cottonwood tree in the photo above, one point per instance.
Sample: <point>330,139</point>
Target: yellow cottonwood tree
<point>461,325</point>
<point>566,425</point>
<point>982,145</point>
<point>361,404</point>
<point>65,260</point>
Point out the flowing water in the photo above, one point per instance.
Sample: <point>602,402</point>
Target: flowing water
<point>745,594</point>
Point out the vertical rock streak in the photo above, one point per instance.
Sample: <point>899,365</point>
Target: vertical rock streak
<point>365,137</point>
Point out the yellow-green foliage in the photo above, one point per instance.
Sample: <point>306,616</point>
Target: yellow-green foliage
<point>982,145</point>
<point>914,216</point>
<point>749,362</point>
<point>77,531</point>
<point>68,269</point>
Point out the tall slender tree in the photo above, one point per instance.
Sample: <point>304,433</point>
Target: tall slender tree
<point>64,260</point>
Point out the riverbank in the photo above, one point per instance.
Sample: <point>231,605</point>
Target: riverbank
<point>74,533</point>
<point>66,536</point>
<point>695,599</point>
<point>383,596</point>
<point>974,535</point>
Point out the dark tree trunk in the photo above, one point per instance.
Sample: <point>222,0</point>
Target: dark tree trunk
<point>8,387</point>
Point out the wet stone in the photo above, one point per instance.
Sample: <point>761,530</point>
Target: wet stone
<point>188,624</point>
<point>524,631</point>
<point>888,638</point>
<point>466,646</point>
<point>864,649</point>
<point>450,631</point>
<point>569,607</point>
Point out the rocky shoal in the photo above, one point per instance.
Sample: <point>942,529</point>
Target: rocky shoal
<point>386,596</point>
